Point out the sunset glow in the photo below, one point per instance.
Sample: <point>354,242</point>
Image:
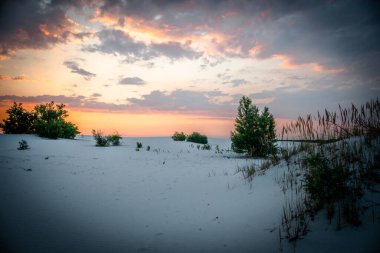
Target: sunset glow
<point>149,68</point>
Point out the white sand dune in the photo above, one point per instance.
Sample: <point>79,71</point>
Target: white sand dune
<point>70,196</point>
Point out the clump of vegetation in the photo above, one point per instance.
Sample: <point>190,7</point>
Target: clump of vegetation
<point>139,145</point>
<point>324,181</point>
<point>248,171</point>
<point>254,132</point>
<point>206,147</point>
<point>265,165</point>
<point>148,148</point>
<point>114,139</point>
<point>333,160</point>
<point>179,136</point>
<point>47,120</point>
<point>197,138</point>
<point>294,221</point>
<point>104,141</point>
<point>50,122</point>
<point>19,120</point>
<point>23,145</point>
<point>101,140</point>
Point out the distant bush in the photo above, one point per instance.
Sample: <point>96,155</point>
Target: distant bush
<point>114,139</point>
<point>101,140</point>
<point>197,138</point>
<point>138,145</point>
<point>23,145</point>
<point>19,121</point>
<point>148,148</point>
<point>206,147</point>
<point>50,122</point>
<point>179,136</point>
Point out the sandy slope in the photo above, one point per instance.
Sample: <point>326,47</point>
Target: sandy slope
<point>70,196</point>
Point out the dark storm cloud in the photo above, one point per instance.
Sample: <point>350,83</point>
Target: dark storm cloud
<point>74,67</point>
<point>335,34</point>
<point>71,101</point>
<point>118,42</point>
<point>304,102</point>
<point>174,50</point>
<point>132,81</point>
<point>96,95</point>
<point>34,24</point>
<point>183,101</point>
<point>236,82</point>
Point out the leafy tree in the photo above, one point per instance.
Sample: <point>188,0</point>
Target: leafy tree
<point>50,122</point>
<point>19,120</point>
<point>254,132</point>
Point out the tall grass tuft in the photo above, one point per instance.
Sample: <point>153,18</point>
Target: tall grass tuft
<point>332,160</point>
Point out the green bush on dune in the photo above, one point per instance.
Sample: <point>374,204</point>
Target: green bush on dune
<point>197,138</point>
<point>179,136</point>
<point>46,120</point>
<point>103,141</point>
<point>114,139</point>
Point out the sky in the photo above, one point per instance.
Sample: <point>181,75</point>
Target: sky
<point>149,68</point>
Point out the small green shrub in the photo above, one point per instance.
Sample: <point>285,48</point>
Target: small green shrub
<point>248,171</point>
<point>179,136</point>
<point>138,145</point>
<point>101,141</point>
<point>206,147</point>
<point>23,145</point>
<point>197,138</point>
<point>114,139</point>
<point>265,165</point>
<point>325,182</point>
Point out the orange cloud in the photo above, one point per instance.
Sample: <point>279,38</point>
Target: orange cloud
<point>286,62</point>
<point>14,78</point>
<point>255,50</point>
<point>322,69</point>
